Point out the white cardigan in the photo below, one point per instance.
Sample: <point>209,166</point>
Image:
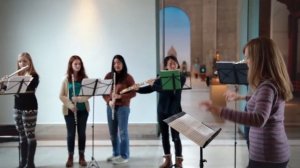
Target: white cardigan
<point>67,103</point>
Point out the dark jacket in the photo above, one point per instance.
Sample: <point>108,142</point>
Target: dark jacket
<point>169,100</point>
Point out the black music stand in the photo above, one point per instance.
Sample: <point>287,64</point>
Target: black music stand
<point>15,85</point>
<point>236,74</point>
<point>94,87</point>
<point>232,73</point>
<point>193,129</point>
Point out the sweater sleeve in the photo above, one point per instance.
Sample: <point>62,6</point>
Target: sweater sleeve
<point>34,83</point>
<point>130,82</point>
<point>63,95</point>
<point>260,107</point>
<point>145,90</point>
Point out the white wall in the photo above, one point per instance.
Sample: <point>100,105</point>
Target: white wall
<point>52,30</point>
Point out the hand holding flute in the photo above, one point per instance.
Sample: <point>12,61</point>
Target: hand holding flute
<point>6,77</point>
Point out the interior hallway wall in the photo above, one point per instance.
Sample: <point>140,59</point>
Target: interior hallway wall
<point>52,31</point>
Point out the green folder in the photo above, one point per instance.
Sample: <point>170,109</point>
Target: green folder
<point>170,80</point>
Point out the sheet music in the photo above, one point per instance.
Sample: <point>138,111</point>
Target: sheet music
<point>102,87</point>
<point>18,84</point>
<point>192,128</point>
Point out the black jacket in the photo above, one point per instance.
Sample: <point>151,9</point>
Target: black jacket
<point>28,101</point>
<point>169,100</point>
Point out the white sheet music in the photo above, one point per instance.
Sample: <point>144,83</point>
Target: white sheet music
<point>18,84</point>
<point>193,129</point>
<point>101,87</point>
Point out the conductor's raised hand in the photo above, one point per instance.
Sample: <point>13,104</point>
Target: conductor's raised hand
<point>208,106</point>
<point>231,96</point>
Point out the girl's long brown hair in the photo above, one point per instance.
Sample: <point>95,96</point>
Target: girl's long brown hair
<point>121,75</point>
<point>81,74</point>
<point>31,70</point>
<point>266,63</point>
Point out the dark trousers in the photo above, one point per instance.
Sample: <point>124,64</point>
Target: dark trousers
<point>82,117</point>
<point>256,164</point>
<point>164,128</point>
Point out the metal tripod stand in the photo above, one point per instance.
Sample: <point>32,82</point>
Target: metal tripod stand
<point>201,158</point>
<point>93,163</point>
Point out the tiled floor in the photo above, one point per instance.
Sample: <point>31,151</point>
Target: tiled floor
<point>146,151</point>
<point>144,154</point>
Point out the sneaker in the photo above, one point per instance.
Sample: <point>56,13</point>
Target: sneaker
<point>120,160</point>
<point>112,158</point>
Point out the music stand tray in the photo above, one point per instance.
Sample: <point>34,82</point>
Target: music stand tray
<point>170,80</point>
<point>192,128</point>
<point>17,84</point>
<point>95,87</point>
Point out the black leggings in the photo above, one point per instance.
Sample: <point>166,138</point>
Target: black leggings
<point>25,121</point>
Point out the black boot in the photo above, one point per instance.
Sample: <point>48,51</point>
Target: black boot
<point>31,152</point>
<point>23,150</point>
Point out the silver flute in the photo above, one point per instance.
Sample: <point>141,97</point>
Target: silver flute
<point>113,98</point>
<point>75,112</point>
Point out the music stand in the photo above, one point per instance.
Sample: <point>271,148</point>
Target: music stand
<point>16,85</point>
<point>232,73</point>
<point>170,80</point>
<point>94,87</point>
<point>193,129</point>
<point>236,74</point>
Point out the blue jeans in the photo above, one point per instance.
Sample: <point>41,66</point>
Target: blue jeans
<point>118,130</point>
<point>82,117</point>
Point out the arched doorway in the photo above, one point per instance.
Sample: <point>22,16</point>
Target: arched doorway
<point>175,35</point>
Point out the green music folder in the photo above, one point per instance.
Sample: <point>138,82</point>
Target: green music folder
<point>170,80</point>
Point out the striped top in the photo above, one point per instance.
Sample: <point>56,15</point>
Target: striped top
<point>265,116</point>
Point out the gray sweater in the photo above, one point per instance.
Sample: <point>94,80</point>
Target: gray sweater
<point>265,116</point>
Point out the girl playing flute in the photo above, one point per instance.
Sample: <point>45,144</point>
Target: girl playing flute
<point>75,108</point>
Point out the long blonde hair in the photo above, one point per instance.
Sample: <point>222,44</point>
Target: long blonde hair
<point>31,70</point>
<point>266,63</point>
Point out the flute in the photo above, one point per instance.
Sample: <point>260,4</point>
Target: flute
<point>19,70</point>
<point>136,85</point>
<point>113,98</point>
<point>75,112</point>
<point>5,78</point>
